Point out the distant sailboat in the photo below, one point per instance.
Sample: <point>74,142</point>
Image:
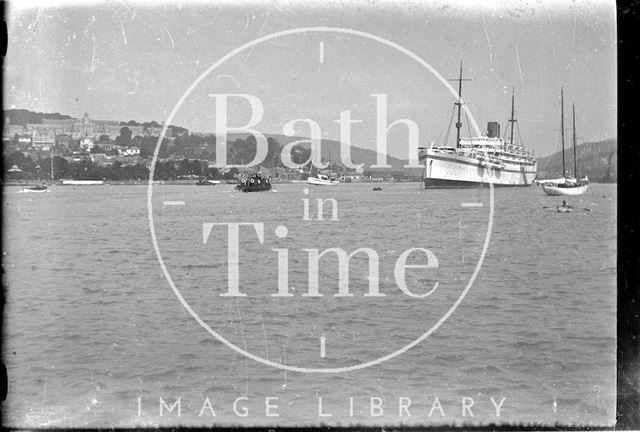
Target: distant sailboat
<point>566,185</point>
<point>321,179</point>
<point>41,187</point>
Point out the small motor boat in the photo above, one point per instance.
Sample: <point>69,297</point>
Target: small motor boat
<point>38,188</point>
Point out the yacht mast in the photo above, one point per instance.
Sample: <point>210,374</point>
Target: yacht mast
<point>512,120</point>
<point>562,127</point>
<point>575,164</point>
<point>459,104</point>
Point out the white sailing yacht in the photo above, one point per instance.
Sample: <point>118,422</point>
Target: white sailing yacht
<point>566,185</point>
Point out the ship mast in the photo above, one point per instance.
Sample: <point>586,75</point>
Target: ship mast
<point>562,127</point>
<point>512,120</point>
<point>575,164</point>
<point>459,104</point>
<point>54,143</point>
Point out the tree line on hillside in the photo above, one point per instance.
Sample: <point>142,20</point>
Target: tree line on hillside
<point>239,152</point>
<point>145,125</point>
<point>40,169</point>
<point>190,156</point>
<point>23,116</point>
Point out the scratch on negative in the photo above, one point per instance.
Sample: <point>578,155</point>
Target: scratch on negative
<point>244,344</point>
<point>170,38</point>
<point>40,90</point>
<point>93,55</point>
<point>484,25</point>
<point>573,36</point>
<point>124,35</point>
<point>519,66</point>
<point>260,33</point>
<point>264,333</point>
<point>44,393</point>
<point>93,38</point>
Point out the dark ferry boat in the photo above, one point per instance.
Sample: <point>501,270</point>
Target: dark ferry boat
<point>254,183</point>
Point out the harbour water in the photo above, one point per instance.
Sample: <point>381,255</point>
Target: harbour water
<point>94,335</point>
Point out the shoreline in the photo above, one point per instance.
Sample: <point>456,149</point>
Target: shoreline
<point>179,182</point>
<point>191,183</point>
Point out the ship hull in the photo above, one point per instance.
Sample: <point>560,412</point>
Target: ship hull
<point>454,171</point>
<point>28,190</point>
<point>458,184</point>
<point>321,182</point>
<point>255,188</point>
<point>555,190</point>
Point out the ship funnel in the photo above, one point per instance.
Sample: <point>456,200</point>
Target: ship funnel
<point>493,130</point>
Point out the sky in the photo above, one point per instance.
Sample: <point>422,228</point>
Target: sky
<point>127,60</point>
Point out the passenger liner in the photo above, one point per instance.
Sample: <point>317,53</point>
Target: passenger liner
<point>478,161</point>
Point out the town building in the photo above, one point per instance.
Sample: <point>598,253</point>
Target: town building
<point>86,132</point>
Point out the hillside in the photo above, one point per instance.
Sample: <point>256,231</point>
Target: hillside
<point>241,148</point>
<point>598,160</point>
<point>330,148</point>
<point>23,116</point>
<point>331,151</point>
